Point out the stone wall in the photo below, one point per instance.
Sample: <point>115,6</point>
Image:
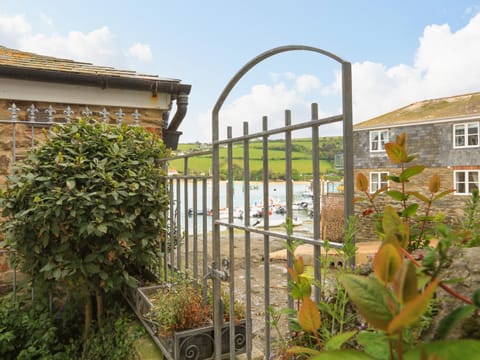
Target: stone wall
<point>332,223</point>
<point>432,143</point>
<point>451,205</point>
<point>150,118</point>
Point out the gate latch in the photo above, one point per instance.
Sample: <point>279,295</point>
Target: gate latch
<point>222,274</point>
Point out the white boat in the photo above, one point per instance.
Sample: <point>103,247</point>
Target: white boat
<point>276,223</point>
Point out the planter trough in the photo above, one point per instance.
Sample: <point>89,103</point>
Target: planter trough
<point>198,343</point>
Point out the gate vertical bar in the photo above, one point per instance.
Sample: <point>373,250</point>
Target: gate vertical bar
<point>231,250</point>
<point>316,200</point>
<point>348,144</point>
<point>248,285</point>
<point>289,193</point>
<point>195,228</point>
<point>185,212</point>
<point>204,239</point>
<point>266,240</point>
<point>178,227</point>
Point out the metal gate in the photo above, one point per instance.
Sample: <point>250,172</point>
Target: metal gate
<point>206,236</point>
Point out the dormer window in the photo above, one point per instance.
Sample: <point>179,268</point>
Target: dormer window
<point>378,139</point>
<point>466,135</point>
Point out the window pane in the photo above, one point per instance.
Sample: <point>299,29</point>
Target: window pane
<point>472,128</point>
<point>473,176</point>
<point>460,188</point>
<point>459,130</point>
<point>460,177</point>
<point>473,140</point>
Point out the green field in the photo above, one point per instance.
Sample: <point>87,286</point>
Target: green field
<point>301,158</point>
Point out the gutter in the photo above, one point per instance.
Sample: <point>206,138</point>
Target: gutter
<point>179,92</point>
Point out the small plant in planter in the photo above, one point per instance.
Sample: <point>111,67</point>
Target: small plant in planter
<point>181,319</point>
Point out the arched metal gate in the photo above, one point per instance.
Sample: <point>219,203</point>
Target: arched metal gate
<point>211,242</point>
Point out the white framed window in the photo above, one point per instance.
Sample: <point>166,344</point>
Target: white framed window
<point>465,181</point>
<point>378,180</point>
<point>466,135</point>
<point>378,139</point>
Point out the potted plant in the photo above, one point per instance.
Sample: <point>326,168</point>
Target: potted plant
<point>179,319</point>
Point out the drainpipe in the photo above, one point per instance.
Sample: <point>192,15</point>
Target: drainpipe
<point>171,134</point>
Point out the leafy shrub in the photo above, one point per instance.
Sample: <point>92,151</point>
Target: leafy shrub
<point>85,209</point>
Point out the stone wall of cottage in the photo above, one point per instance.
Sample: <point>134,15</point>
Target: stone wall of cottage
<point>451,205</point>
<point>432,143</point>
<point>149,118</point>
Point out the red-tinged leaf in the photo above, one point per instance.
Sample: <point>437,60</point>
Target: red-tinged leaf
<point>371,299</point>
<point>309,316</point>
<point>396,153</point>
<point>401,139</point>
<point>298,264</point>
<point>293,274</point>
<point>413,310</point>
<point>342,354</point>
<point>419,196</point>
<point>411,171</point>
<point>405,284</point>
<point>302,350</point>
<point>387,262</point>
<point>434,184</point>
<point>361,182</point>
<point>367,212</point>
<point>442,194</point>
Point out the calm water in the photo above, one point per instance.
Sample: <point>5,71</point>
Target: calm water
<point>277,195</point>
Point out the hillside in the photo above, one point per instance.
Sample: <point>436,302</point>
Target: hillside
<point>301,158</point>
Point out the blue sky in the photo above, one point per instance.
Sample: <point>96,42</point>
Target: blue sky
<point>401,51</point>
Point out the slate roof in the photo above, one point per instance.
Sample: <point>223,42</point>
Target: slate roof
<point>23,59</point>
<point>440,109</point>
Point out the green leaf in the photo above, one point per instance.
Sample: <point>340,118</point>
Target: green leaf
<point>71,184</point>
<point>446,350</point>
<point>391,222</point>
<point>397,195</point>
<point>375,343</point>
<point>411,171</point>
<point>387,262</point>
<point>336,342</point>
<point>370,297</point>
<point>476,298</point>
<point>406,283</point>
<point>443,194</point>
<point>452,319</point>
<point>410,210</point>
<point>302,288</point>
<point>419,196</point>
<point>102,228</point>
<point>92,268</point>
<point>342,354</point>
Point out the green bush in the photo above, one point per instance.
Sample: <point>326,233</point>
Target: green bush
<point>85,209</point>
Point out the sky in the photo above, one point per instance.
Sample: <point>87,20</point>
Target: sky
<point>400,51</point>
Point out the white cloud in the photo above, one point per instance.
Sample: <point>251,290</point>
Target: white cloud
<point>97,46</point>
<point>445,64</point>
<point>46,19</point>
<point>269,100</point>
<point>12,28</point>
<point>141,51</point>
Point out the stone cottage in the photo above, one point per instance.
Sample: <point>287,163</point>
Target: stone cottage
<point>444,133</point>
<point>38,90</point>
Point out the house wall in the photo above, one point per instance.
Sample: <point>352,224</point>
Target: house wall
<point>433,145</point>
<point>150,119</point>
